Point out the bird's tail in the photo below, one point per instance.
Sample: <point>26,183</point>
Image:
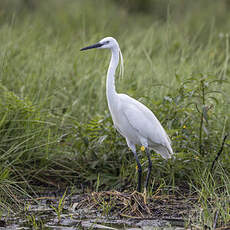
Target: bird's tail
<point>165,152</point>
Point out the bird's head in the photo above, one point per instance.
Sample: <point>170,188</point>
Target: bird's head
<point>108,43</point>
<point>105,43</point>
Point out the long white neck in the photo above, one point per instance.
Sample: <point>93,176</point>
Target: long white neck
<point>111,93</point>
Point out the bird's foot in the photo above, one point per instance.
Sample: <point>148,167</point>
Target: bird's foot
<point>141,194</point>
<point>145,196</point>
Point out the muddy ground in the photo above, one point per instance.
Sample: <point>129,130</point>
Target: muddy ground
<point>103,210</point>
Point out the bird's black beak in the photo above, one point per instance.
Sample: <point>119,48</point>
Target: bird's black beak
<point>92,46</point>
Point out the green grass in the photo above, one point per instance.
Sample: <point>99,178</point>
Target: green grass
<point>55,127</point>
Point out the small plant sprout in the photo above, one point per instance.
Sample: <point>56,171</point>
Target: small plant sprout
<point>98,182</point>
<point>34,223</point>
<point>59,209</point>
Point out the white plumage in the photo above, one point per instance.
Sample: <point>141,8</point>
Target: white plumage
<point>132,119</point>
<point>140,126</point>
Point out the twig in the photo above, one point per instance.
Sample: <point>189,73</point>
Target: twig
<point>220,151</point>
<point>215,220</point>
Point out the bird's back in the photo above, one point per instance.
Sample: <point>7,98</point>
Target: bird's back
<point>143,124</point>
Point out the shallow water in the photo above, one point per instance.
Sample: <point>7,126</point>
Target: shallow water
<point>41,215</point>
<point>72,222</point>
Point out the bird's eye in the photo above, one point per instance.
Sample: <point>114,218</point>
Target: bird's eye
<point>107,42</point>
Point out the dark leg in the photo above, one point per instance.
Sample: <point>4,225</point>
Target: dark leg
<point>139,176</point>
<point>149,169</point>
<point>133,148</point>
<point>139,172</point>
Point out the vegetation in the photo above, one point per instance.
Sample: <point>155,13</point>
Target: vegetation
<point>55,128</point>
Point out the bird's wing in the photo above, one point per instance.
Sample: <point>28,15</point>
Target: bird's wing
<point>143,120</point>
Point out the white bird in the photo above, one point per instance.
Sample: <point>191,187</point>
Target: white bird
<point>132,119</point>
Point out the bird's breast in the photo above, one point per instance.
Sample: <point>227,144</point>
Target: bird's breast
<point>125,129</point>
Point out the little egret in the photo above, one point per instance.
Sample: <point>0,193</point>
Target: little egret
<point>132,119</point>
